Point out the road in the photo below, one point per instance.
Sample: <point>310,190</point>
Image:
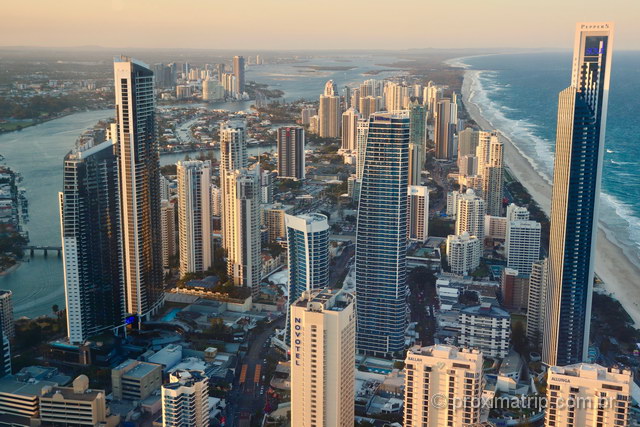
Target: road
<point>245,398</point>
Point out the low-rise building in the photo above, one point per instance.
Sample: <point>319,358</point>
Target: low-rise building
<point>77,405</point>
<point>487,328</point>
<point>135,380</point>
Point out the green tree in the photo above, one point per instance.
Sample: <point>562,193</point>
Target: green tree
<point>519,337</point>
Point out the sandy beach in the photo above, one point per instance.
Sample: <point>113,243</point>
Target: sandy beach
<point>620,276</point>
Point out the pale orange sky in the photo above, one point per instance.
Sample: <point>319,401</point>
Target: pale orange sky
<point>311,24</point>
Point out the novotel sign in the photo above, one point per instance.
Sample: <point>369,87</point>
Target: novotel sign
<point>297,339</point>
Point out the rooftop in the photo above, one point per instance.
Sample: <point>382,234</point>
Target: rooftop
<point>486,309</point>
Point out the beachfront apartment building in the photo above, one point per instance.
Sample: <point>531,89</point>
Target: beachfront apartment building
<point>463,253</point>
<point>577,176</point>
<point>588,395</point>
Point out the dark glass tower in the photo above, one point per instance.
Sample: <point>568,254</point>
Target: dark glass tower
<point>381,240</point>
<point>582,112</point>
<point>89,214</point>
<point>291,162</point>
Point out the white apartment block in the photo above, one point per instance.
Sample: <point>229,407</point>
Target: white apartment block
<point>486,328</point>
<point>522,245</point>
<point>463,253</point>
<point>588,395</point>
<point>470,213</point>
<point>418,209</point>
<point>443,386</point>
<point>185,400</point>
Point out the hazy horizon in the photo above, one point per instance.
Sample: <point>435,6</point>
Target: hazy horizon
<point>331,25</point>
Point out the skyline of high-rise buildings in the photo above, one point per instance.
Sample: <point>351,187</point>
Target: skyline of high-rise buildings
<point>391,216</point>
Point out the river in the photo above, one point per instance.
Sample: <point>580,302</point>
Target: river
<point>37,153</point>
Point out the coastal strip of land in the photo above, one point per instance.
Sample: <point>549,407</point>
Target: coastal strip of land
<point>619,274</point>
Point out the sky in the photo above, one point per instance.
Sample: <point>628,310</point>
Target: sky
<point>311,24</point>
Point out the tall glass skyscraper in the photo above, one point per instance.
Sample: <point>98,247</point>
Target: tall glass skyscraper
<point>139,186</point>
<point>418,141</point>
<point>582,112</point>
<point>194,216</point>
<point>89,216</point>
<point>381,239</point>
<point>308,255</point>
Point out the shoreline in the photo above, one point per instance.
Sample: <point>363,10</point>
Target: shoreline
<point>613,266</point>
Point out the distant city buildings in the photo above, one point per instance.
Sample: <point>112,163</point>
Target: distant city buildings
<point>194,216</point>
<point>307,254</point>
<point>212,90</point>
<point>242,227</point>
<point>291,156</point>
<point>492,171</point>
<point>445,127</point>
<point>470,213</point>
<point>522,245</point>
<point>238,72</point>
<point>350,129</point>
<point>514,289</point>
<point>323,359</point>
<point>417,142</point>
<point>329,112</point>
<point>168,221</point>
<point>418,212</point>
<point>7,323</point>
<point>537,301</point>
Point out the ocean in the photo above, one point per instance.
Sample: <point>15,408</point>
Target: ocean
<point>518,94</point>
